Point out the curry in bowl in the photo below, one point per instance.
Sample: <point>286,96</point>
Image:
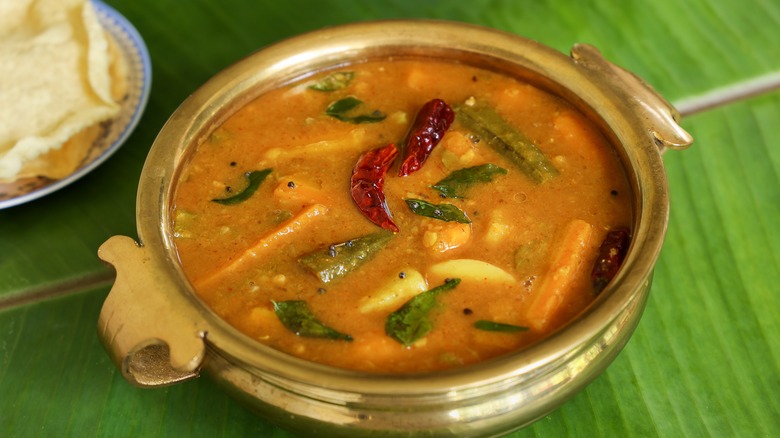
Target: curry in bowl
<point>402,216</point>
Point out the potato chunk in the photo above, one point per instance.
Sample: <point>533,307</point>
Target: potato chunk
<point>469,269</point>
<point>394,292</point>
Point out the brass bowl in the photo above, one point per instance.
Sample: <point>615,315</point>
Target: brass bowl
<point>158,332</point>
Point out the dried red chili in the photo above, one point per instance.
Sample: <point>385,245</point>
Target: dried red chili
<point>367,185</point>
<point>611,254</point>
<point>432,121</point>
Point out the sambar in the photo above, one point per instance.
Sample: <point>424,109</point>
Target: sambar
<point>520,233</point>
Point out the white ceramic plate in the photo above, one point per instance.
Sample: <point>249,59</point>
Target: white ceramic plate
<point>139,68</point>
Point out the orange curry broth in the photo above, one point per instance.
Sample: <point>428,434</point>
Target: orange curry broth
<point>287,130</point>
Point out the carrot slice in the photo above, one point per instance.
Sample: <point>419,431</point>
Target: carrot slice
<point>265,245</point>
<point>568,262</point>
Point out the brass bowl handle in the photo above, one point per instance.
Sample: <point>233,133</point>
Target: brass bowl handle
<point>657,115</point>
<point>144,323</point>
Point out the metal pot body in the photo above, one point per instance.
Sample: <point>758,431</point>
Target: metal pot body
<point>158,332</point>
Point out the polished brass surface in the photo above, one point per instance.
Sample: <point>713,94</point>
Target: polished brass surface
<point>152,337</point>
<point>490,398</point>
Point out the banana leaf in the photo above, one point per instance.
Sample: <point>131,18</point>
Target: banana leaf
<point>705,359</point>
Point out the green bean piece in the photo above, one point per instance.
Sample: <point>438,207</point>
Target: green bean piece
<point>254,179</point>
<point>412,320</point>
<point>442,212</point>
<point>297,316</point>
<point>457,182</point>
<point>506,140</point>
<point>340,259</point>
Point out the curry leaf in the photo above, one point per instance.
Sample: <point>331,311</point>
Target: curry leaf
<point>340,108</point>
<point>492,326</point>
<point>254,179</point>
<point>297,316</point>
<point>412,320</point>
<point>456,183</point>
<point>442,212</point>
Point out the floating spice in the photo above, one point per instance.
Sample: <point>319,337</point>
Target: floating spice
<point>368,182</point>
<point>430,125</point>
<point>611,254</point>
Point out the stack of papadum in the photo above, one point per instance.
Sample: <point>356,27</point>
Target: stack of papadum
<point>61,80</point>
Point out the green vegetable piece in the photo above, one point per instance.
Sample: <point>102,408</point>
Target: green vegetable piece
<point>456,183</point>
<point>442,212</point>
<point>339,108</point>
<point>254,179</point>
<point>530,255</point>
<point>506,140</point>
<point>338,260</point>
<point>298,318</point>
<point>491,326</point>
<point>334,81</point>
<point>412,320</point>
